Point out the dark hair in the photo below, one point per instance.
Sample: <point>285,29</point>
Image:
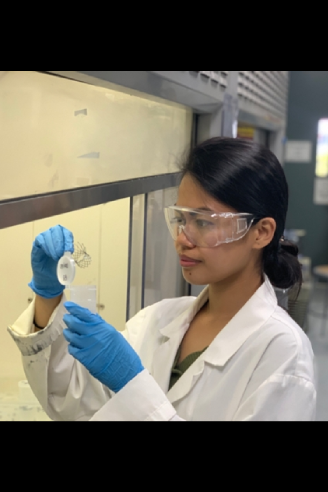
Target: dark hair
<point>250,179</point>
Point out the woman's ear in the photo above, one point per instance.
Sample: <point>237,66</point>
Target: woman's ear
<point>264,231</point>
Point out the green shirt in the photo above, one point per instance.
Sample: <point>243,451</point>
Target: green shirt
<point>179,369</point>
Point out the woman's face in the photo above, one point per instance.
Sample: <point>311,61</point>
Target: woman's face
<point>212,265</point>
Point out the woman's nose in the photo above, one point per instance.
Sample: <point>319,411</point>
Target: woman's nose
<point>182,240</point>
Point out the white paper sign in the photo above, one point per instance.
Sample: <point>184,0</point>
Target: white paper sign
<point>321,191</point>
<point>298,151</point>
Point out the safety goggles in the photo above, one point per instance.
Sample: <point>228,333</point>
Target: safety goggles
<point>206,229</point>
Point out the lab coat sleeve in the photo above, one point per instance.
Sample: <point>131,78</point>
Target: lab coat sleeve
<point>280,398</point>
<point>140,400</point>
<point>64,388</point>
<point>67,391</point>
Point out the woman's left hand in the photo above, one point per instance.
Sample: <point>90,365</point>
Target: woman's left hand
<point>100,348</point>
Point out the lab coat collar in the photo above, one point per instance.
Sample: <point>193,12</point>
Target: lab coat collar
<point>186,317</point>
<point>165,354</point>
<point>246,322</point>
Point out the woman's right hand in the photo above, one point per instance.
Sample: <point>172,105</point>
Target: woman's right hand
<point>47,250</point>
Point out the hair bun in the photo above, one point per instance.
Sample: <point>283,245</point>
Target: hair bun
<point>289,248</point>
<point>284,270</point>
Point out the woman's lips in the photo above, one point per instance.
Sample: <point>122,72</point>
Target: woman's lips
<point>188,262</point>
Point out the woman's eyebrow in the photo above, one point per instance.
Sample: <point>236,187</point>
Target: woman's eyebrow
<point>205,209</point>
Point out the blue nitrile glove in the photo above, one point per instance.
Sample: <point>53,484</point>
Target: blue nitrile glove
<point>47,250</point>
<point>100,348</point>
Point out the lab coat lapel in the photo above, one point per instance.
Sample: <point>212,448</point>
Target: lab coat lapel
<point>164,358</point>
<point>163,361</point>
<point>173,334</point>
<point>187,381</point>
<point>245,323</point>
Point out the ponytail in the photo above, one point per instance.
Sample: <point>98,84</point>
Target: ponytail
<point>281,265</point>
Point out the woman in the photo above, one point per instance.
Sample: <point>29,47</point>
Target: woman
<point>232,354</point>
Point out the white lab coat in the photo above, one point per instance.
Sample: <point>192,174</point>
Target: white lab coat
<point>260,367</point>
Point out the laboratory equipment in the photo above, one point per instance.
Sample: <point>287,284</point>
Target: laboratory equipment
<point>66,269</point>
<point>81,257</point>
<point>83,295</point>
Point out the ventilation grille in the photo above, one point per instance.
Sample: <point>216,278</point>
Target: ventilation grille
<point>220,78</point>
<point>268,90</point>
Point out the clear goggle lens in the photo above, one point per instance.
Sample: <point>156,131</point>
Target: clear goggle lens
<point>207,230</point>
